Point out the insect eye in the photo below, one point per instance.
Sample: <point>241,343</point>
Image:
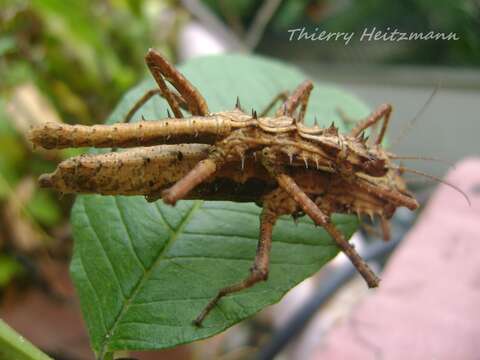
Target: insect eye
<point>375,167</point>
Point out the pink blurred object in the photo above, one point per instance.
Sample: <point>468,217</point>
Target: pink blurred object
<point>428,303</point>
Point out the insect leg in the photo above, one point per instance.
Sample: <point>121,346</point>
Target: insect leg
<point>385,228</point>
<point>161,69</point>
<point>147,96</point>
<point>312,210</point>
<point>281,96</point>
<point>228,148</point>
<point>203,170</point>
<point>275,204</point>
<point>299,96</point>
<point>383,112</point>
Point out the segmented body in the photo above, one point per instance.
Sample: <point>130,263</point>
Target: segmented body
<point>359,170</point>
<point>278,162</point>
<point>294,143</point>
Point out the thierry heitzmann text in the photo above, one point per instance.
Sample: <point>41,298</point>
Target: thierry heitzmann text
<point>368,34</point>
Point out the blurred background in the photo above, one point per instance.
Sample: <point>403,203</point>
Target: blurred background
<point>72,61</point>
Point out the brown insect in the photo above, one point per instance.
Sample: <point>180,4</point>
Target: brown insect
<point>279,162</point>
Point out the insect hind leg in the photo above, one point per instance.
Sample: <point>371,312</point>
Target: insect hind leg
<point>276,203</point>
<point>162,70</point>
<point>146,97</point>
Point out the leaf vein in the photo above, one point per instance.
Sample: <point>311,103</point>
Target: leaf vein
<point>163,220</point>
<point>129,235</point>
<point>255,238</point>
<point>94,291</point>
<point>108,336</point>
<point>109,261</point>
<point>239,259</point>
<point>202,276</point>
<point>303,220</point>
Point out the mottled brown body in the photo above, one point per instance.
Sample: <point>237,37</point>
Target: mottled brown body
<point>237,132</point>
<point>150,170</point>
<point>140,171</point>
<point>278,162</point>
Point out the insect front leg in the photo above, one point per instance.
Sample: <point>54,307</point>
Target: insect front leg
<point>383,112</point>
<point>299,97</point>
<point>313,211</point>
<point>275,204</point>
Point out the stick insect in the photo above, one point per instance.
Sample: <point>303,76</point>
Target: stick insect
<point>279,162</point>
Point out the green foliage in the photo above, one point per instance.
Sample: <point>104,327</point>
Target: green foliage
<point>289,11</point>
<point>43,208</point>
<point>12,154</point>
<point>9,267</point>
<point>14,346</point>
<point>14,162</point>
<point>143,271</point>
<point>82,54</point>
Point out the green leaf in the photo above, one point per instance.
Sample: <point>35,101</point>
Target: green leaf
<point>144,271</point>
<point>7,44</point>
<point>9,267</point>
<point>14,346</point>
<point>44,209</point>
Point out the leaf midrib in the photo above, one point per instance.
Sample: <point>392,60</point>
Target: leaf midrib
<point>128,300</point>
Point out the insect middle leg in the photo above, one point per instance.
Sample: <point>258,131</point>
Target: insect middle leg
<point>205,169</point>
<point>275,204</point>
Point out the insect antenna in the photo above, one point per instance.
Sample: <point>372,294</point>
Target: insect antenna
<point>427,158</point>
<point>412,122</point>
<point>434,178</point>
